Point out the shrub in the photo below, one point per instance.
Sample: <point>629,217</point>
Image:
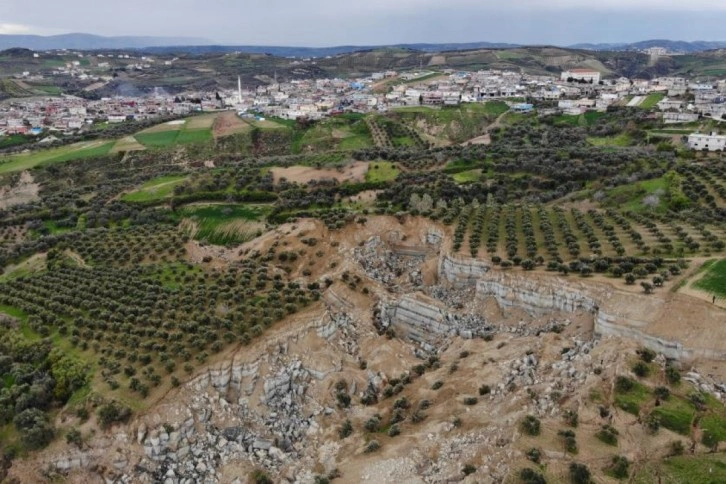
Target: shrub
<point>346,429</point>
<point>531,425</point>
<point>619,467</point>
<point>608,435</point>
<point>672,375</point>
<point>530,476</point>
<point>36,431</point>
<point>677,447</point>
<point>534,454</point>
<point>646,354</point>
<point>569,440</point>
<point>485,390</point>
<point>373,423</point>
<point>75,437</point>
<point>468,469</point>
<point>394,430</point>
<point>641,369</point>
<point>111,413</point>
<point>623,384</point>
<point>571,417</point>
<point>662,393</point>
<point>579,473</point>
<point>652,423</point>
<point>260,477</point>
<point>372,446</point>
<point>470,401</point>
<point>437,384</point>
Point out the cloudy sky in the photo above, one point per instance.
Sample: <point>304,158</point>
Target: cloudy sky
<point>336,22</point>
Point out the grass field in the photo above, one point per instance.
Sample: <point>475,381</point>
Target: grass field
<point>652,99</point>
<point>128,143</point>
<point>632,400</point>
<point>705,469</point>
<point>381,171</point>
<point>619,140</point>
<point>157,139</point>
<point>26,161</point>
<point>156,189</point>
<point>676,414</point>
<point>714,280</point>
<point>468,176</point>
<point>194,136</point>
<point>630,197</point>
<point>225,224</point>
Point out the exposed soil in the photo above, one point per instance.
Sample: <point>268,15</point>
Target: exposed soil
<point>354,172</point>
<point>24,191</point>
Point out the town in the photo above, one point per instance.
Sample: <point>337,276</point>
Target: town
<point>676,100</point>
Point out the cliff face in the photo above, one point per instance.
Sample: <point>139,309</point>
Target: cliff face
<point>666,323</point>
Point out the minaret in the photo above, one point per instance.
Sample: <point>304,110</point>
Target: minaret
<point>239,89</point>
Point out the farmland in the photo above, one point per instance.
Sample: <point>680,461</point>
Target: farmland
<point>129,276</point>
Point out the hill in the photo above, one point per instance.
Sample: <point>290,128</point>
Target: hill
<point>91,42</point>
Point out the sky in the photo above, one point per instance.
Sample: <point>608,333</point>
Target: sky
<point>374,22</point>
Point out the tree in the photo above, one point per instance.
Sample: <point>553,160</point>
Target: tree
<point>579,473</point>
<point>35,429</point>
<point>531,425</point>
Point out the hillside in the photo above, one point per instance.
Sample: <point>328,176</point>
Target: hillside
<point>421,295</point>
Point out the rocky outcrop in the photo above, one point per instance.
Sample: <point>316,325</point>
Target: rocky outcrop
<point>461,271</point>
<point>634,316</point>
<point>422,320</point>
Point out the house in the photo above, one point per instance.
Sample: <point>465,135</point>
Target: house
<point>674,118</point>
<point>670,104</point>
<point>707,142</point>
<point>586,75</point>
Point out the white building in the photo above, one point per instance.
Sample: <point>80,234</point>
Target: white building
<point>707,142</point>
<point>586,75</point>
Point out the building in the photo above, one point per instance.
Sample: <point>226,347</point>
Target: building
<point>707,142</point>
<point>674,118</point>
<point>587,75</point>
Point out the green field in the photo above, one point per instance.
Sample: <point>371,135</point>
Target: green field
<point>225,224</point>
<point>676,414</point>
<point>619,140</point>
<point>632,400</point>
<point>157,140</point>
<point>194,136</point>
<point>468,176</point>
<point>381,171</point>
<point>26,161</point>
<point>702,469</point>
<point>652,99</point>
<point>714,280</point>
<point>156,189</point>
<point>630,197</point>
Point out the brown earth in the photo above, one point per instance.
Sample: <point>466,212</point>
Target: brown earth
<point>354,172</point>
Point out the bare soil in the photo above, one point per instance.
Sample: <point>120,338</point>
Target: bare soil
<point>354,172</point>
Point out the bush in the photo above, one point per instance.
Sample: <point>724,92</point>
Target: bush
<point>641,369</point>
<point>111,413</point>
<point>646,354</point>
<point>662,393</point>
<point>372,446</point>
<point>531,425</point>
<point>75,437</point>
<point>534,454</point>
<point>579,473</point>
<point>260,477</point>
<point>468,469</point>
<point>485,390</point>
<point>569,440</point>
<point>620,467</point>
<point>373,423</point>
<point>677,447</point>
<point>672,375</point>
<point>652,423</point>
<point>530,476</point>
<point>394,430</point>
<point>470,401</point>
<point>346,429</point>
<point>571,417</point>
<point>608,435</point>
<point>623,384</point>
<point>36,431</point>
<point>437,384</point>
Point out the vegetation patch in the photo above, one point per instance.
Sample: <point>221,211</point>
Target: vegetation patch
<point>225,224</point>
<point>156,189</point>
<point>675,414</point>
<point>713,280</point>
<point>381,171</point>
